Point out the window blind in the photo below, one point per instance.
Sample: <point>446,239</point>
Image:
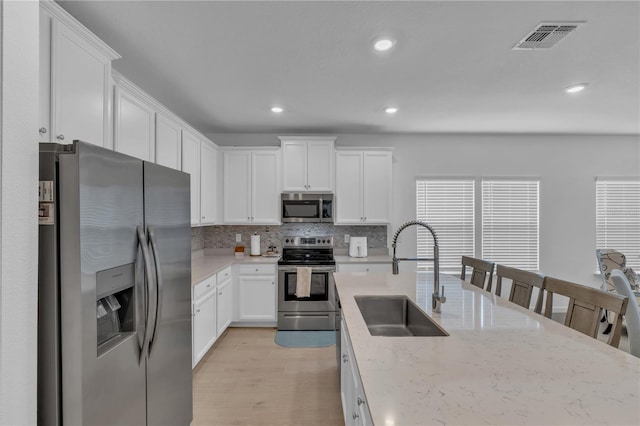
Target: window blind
<point>510,225</point>
<point>448,206</point>
<point>618,218</point>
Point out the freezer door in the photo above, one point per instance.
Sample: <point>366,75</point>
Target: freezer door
<point>168,224</point>
<point>101,288</point>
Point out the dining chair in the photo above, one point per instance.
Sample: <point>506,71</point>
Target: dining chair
<point>480,269</point>
<point>632,317</point>
<point>610,260</point>
<point>522,284</point>
<point>585,307</point>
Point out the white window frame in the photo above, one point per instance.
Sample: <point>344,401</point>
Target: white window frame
<point>618,217</point>
<point>456,237</point>
<point>501,217</point>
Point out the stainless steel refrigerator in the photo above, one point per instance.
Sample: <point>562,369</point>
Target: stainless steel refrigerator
<point>114,326</point>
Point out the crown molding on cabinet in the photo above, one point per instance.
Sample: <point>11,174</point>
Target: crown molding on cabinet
<point>63,16</point>
<point>123,82</point>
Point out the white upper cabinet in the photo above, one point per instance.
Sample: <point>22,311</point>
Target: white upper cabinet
<point>237,186</point>
<point>265,188</point>
<point>168,142</point>
<point>75,80</point>
<point>208,183</point>
<point>251,187</point>
<point>134,124</point>
<point>363,187</point>
<point>307,164</point>
<point>191,165</point>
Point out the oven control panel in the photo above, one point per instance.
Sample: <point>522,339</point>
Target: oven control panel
<point>324,241</point>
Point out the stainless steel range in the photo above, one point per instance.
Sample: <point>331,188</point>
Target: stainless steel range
<point>296,309</point>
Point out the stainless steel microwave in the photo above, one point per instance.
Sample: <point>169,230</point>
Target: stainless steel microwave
<point>301,207</point>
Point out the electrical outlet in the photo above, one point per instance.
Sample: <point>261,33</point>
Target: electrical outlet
<point>238,238</point>
<point>347,238</point>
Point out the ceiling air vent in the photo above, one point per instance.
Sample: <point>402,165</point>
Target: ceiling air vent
<point>546,35</point>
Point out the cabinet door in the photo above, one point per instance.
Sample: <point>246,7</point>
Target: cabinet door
<point>191,165</point>
<point>225,303</point>
<point>294,166</point>
<point>168,142</point>
<point>265,192</point>
<point>320,166</point>
<point>208,183</point>
<point>134,126</point>
<point>349,188</point>
<point>376,187</point>
<point>257,298</point>
<point>80,87</point>
<point>44,123</point>
<point>237,187</point>
<point>204,326</point>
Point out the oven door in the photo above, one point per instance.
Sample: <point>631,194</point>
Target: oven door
<point>322,297</point>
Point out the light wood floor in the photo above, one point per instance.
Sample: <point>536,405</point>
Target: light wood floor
<point>247,379</point>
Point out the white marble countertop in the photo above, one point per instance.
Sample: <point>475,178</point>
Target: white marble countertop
<point>205,264</point>
<point>369,259</point>
<point>500,365</point>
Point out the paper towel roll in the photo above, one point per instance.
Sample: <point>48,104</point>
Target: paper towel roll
<point>255,245</point>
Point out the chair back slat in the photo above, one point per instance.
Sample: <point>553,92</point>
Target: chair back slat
<point>522,285</point>
<point>481,268</point>
<point>585,307</point>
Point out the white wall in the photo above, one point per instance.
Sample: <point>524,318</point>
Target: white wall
<point>18,211</point>
<point>566,165</point>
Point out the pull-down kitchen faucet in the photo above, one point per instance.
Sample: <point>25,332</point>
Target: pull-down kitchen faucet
<point>437,299</point>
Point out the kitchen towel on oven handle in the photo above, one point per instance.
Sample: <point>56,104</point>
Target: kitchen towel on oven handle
<point>303,281</point>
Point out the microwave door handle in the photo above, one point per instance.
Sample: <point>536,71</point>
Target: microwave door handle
<point>159,287</point>
<point>142,242</point>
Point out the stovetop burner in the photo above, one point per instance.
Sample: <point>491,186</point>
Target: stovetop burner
<point>302,251</point>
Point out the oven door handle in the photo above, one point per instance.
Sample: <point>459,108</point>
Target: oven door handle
<point>314,269</point>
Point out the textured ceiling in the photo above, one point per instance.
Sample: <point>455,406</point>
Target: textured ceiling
<point>221,65</point>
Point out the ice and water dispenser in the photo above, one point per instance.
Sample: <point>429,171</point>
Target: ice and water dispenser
<point>115,305</point>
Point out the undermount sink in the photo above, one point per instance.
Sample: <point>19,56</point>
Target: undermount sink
<point>396,316</point>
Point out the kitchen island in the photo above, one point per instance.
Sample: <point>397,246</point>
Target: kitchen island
<point>500,364</point>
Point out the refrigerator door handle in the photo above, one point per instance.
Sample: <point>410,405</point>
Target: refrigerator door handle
<point>157,263</point>
<point>150,308</point>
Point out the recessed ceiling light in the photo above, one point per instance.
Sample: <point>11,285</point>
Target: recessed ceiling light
<point>277,109</point>
<point>576,88</point>
<point>383,44</point>
<point>391,110</point>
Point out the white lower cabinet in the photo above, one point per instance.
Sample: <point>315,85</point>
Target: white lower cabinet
<point>354,404</point>
<point>364,267</point>
<point>204,318</point>
<point>225,306</point>
<point>257,292</point>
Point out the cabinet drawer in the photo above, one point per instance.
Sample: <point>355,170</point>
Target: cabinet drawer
<point>224,275</point>
<point>204,287</point>
<point>365,267</point>
<point>257,269</point>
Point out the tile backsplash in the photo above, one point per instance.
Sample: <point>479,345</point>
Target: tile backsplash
<point>224,236</point>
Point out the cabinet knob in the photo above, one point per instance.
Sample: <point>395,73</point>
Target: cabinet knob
<point>42,130</point>
<point>355,415</point>
<point>208,285</point>
<point>345,358</point>
<point>60,137</point>
<point>203,217</point>
<point>273,283</point>
<point>360,401</point>
<point>365,218</point>
<point>197,310</point>
<point>220,293</point>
